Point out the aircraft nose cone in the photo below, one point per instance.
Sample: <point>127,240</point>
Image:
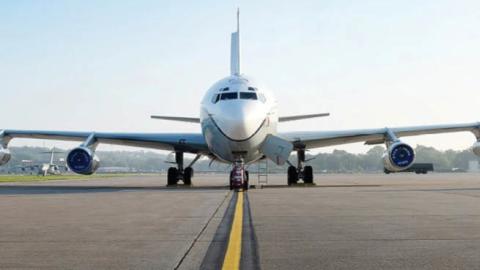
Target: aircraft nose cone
<point>240,120</point>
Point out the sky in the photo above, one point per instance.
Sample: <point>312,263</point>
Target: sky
<point>109,65</point>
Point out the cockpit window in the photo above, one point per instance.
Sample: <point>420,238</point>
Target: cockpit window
<point>215,98</point>
<point>246,95</point>
<point>224,89</point>
<point>252,88</point>
<point>227,96</point>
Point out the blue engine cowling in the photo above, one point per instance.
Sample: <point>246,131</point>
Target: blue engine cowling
<point>398,157</point>
<point>82,160</point>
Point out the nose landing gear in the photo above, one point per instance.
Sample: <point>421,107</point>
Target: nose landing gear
<point>239,177</point>
<point>300,172</point>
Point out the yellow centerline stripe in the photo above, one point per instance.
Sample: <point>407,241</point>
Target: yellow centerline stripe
<point>234,249</point>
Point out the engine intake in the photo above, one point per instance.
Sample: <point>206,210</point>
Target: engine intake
<point>5,156</point>
<point>399,156</point>
<point>82,160</point>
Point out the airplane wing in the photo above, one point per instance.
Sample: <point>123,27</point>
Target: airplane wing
<point>175,118</point>
<point>315,139</point>
<point>301,117</point>
<point>185,142</point>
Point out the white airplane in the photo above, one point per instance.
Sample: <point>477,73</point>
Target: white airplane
<point>238,121</point>
<point>50,168</point>
<point>44,168</point>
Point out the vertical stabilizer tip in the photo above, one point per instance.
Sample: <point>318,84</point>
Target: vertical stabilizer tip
<point>235,49</point>
<point>238,19</point>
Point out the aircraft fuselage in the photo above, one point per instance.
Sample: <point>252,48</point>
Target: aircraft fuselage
<point>236,116</point>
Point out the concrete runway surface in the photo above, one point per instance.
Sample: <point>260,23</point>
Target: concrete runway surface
<point>370,221</point>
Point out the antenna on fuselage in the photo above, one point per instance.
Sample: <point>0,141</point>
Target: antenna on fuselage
<point>235,49</point>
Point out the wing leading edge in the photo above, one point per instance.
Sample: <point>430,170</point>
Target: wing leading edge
<point>316,139</point>
<point>175,118</point>
<point>185,142</point>
<point>301,117</point>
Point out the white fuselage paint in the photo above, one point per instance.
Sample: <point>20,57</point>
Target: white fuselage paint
<point>235,129</point>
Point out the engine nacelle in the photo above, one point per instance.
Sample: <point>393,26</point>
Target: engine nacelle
<point>398,157</point>
<point>5,156</point>
<point>82,160</point>
<point>476,148</point>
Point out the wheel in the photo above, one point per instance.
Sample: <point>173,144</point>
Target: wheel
<point>308,175</point>
<point>172,176</point>
<point>292,175</point>
<point>247,175</point>
<point>245,185</point>
<point>245,181</point>
<point>231,180</point>
<point>187,176</point>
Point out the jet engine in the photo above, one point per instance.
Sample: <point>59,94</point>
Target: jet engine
<point>398,157</point>
<point>4,156</point>
<point>476,148</point>
<point>83,160</point>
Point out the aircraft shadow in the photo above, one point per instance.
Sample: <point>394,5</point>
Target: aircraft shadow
<point>63,189</point>
<point>59,189</point>
<point>317,186</point>
<point>430,189</point>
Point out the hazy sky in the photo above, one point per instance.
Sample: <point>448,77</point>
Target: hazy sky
<point>108,65</point>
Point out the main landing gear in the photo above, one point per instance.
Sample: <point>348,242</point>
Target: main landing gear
<point>178,173</point>
<point>239,177</point>
<point>300,172</point>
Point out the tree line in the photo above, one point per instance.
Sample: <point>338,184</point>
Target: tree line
<point>338,161</point>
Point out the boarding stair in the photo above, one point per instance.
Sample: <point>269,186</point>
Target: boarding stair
<point>262,172</point>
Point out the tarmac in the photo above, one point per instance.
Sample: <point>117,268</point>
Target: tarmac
<point>348,221</point>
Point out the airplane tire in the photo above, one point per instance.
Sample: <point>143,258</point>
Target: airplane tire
<point>245,185</point>
<point>308,175</point>
<point>172,176</point>
<point>292,175</point>
<point>245,181</point>
<point>187,176</point>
